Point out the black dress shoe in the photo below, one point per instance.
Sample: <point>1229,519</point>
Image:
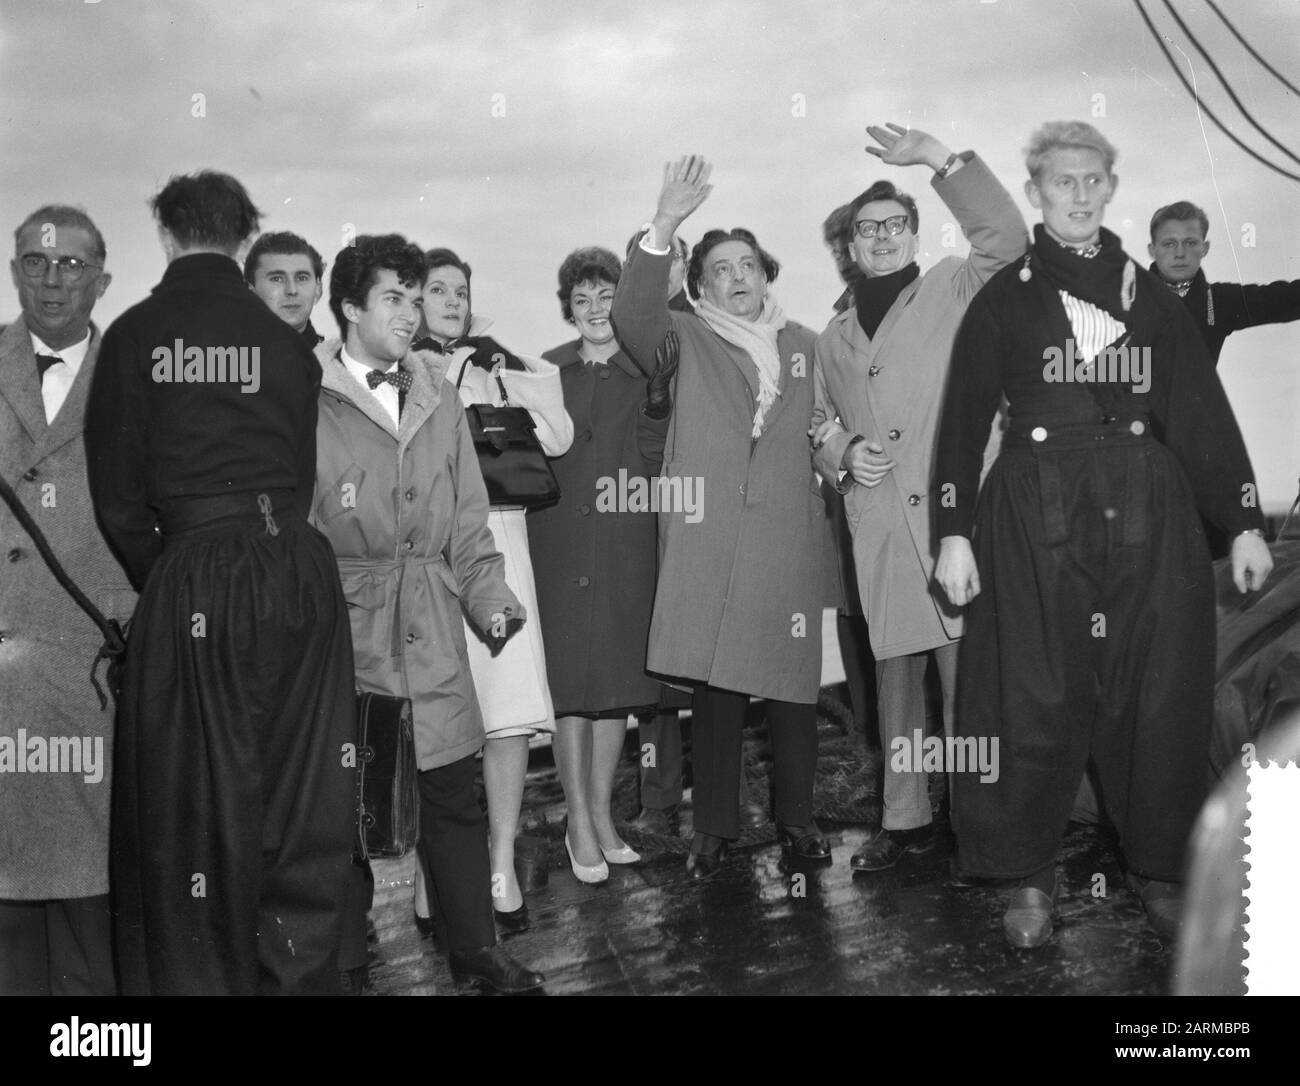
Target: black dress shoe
<point>514,921</point>
<point>354,981</point>
<point>494,966</point>
<point>424,925</point>
<point>705,856</point>
<point>806,842</point>
<point>889,846</point>
<point>651,820</point>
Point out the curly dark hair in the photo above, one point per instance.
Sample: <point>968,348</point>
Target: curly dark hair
<point>714,238</point>
<point>591,264</point>
<point>357,267</point>
<point>883,190</point>
<point>282,243</point>
<point>206,209</point>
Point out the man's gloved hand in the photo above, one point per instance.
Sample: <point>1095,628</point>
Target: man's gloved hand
<point>659,398</point>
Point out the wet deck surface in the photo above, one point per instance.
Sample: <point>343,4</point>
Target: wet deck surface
<point>762,926</point>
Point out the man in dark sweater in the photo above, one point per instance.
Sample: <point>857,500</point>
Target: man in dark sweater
<point>1178,245</point>
<point>232,806</point>
<point>289,276</point>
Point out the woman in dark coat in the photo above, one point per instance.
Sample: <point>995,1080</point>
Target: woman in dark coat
<point>594,561</point>
<point>1091,634</point>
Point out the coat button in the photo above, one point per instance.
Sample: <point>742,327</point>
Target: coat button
<point>30,474</point>
<point>1038,433</point>
<point>914,499</point>
<point>585,435</point>
<point>409,545</point>
<point>894,435</point>
<point>874,371</point>
<point>410,495</point>
<point>1108,418</point>
<point>585,510</point>
<point>604,373</point>
<point>1137,427</point>
<point>4,636</point>
<point>583,582</point>
<point>14,555</point>
<point>410,639</point>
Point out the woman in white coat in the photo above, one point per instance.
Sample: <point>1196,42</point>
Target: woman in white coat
<point>511,686</point>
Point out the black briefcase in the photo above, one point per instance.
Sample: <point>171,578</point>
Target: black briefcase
<point>388,793</point>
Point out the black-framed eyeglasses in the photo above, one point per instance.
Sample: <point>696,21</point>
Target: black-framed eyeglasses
<point>868,228</point>
<point>70,269</point>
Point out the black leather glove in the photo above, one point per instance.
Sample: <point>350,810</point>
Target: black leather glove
<point>488,352</point>
<point>659,397</point>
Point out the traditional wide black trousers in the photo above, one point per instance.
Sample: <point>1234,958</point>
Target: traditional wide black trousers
<point>233,820</point>
<point>1092,636</point>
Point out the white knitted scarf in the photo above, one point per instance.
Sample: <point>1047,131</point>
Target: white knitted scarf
<point>757,338</point>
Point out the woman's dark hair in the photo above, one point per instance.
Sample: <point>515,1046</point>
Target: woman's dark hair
<point>591,264</point>
<point>356,270</point>
<point>714,238</point>
<point>207,209</point>
<point>883,190</point>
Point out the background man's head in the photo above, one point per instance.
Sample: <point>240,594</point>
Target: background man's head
<point>287,274</point>
<point>588,277</point>
<point>204,212</point>
<point>57,268</point>
<point>676,270</point>
<point>1071,179</point>
<point>884,222</point>
<point>729,269</point>
<point>1178,240</point>
<point>837,233</point>
<point>375,287</point>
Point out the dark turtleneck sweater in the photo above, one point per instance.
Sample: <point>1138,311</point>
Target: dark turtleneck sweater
<point>874,294</point>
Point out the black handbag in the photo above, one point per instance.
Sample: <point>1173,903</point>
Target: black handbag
<point>515,470</point>
<point>388,791</point>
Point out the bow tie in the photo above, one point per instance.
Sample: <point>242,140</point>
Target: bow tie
<point>44,362</point>
<point>428,343</point>
<point>398,378</point>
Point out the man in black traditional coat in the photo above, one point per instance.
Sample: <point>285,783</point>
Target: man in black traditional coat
<point>1091,631</point>
<point>232,817</point>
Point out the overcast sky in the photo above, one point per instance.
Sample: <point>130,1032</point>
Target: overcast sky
<point>516,132</point>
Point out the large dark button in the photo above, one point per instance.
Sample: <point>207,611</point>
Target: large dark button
<point>30,474</point>
<point>584,509</point>
<point>894,435</point>
<point>585,435</point>
<point>583,582</point>
<point>874,371</point>
<point>409,545</point>
<point>4,636</point>
<point>410,639</point>
<point>410,495</point>
<point>14,555</point>
<point>604,373</point>
<point>1108,418</point>
<point>914,499</point>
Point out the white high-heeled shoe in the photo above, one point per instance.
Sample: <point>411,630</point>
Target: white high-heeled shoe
<point>583,873</point>
<point>624,855</point>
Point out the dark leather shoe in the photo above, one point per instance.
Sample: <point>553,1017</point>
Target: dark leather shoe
<point>1162,902</point>
<point>424,925</point>
<point>512,922</point>
<point>705,856</point>
<point>889,846</point>
<point>806,842</point>
<point>494,966</point>
<point>652,821</point>
<point>354,981</point>
<point>1027,923</point>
